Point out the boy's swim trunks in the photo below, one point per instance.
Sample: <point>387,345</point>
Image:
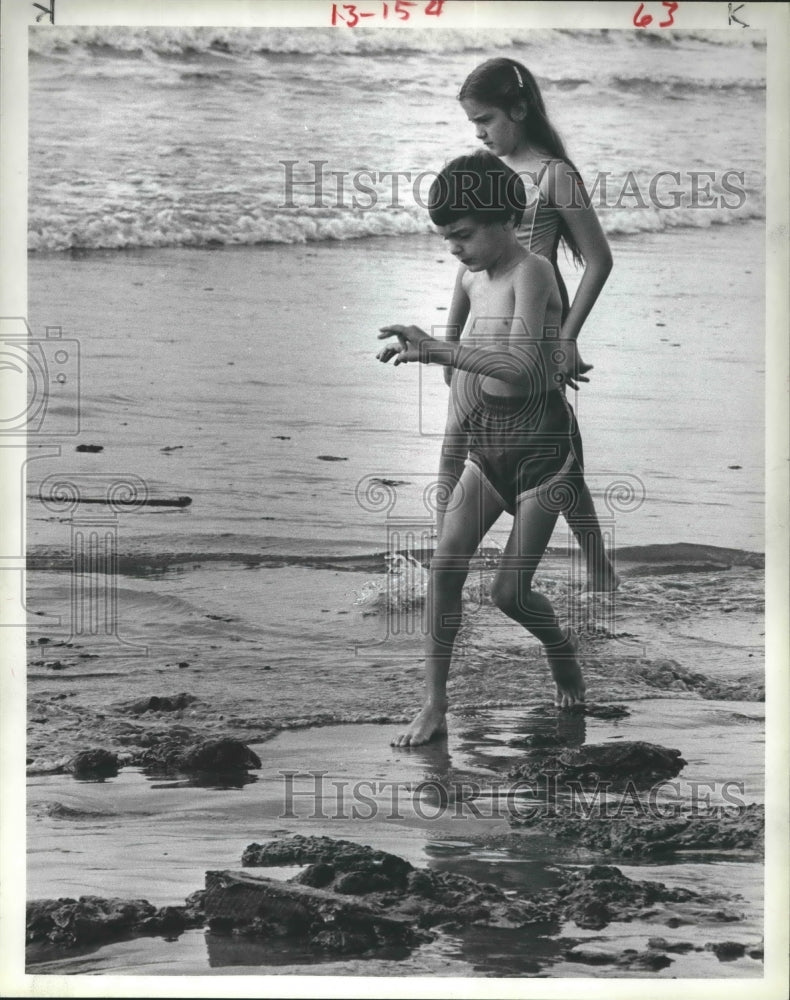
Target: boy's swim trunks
<point>522,448</point>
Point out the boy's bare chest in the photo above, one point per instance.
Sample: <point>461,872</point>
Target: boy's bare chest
<point>491,307</point>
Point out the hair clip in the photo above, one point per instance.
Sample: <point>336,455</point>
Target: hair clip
<point>518,77</point>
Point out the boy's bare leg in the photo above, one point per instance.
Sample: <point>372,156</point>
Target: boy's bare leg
<point>583,521</point>
<point>451,467</point>
<point>513,594</point>
<point>470,515</point>
<point>452,459</point>
<point>565,669</point>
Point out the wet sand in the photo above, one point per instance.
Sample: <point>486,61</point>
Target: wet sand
<point>679,646</point>
<point>134,836</point>
<point>271,617</point>
<point>223,374</point>
<point>257,658</point>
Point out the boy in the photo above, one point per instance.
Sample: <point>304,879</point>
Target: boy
<point>506,391</point>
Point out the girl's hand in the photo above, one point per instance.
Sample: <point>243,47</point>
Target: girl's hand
<point>410,340</point>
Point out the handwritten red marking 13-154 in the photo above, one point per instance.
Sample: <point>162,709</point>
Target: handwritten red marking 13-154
<point>642,20</point>
<point>351,14</point>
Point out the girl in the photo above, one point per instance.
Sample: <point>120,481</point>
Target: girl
<point>502,100</point>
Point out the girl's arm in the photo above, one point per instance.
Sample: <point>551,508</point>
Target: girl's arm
<point>572,203</point>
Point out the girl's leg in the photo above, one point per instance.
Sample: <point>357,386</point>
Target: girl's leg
<point>470,514</point>
<point>513,594</point>
<point>583,521</point>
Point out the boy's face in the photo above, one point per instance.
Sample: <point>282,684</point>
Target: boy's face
<point>477,244</point>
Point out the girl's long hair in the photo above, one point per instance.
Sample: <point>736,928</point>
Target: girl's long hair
<point>504,83</point>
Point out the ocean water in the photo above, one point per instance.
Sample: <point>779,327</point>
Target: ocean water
<point>206,137</point>
<point>223,310</point>
<point>195,228</point>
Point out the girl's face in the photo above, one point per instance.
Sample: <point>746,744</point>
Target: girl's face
<point>496,129</point>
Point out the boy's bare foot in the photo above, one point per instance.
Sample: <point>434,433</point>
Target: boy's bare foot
<point>429,723</point>
<point>566,672</point>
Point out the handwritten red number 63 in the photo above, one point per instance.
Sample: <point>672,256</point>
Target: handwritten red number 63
<point>643,20</point>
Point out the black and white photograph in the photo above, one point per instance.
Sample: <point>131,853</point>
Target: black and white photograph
<point>394,407</point>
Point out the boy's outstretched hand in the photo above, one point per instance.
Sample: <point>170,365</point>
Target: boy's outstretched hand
<point>410,339</point>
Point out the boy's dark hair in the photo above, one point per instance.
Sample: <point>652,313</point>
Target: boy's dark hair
<point>478,184</point>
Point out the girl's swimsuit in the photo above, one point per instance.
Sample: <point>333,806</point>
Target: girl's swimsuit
<point>540,231</point>
<point>540,225</point>
<point>523,448</point>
